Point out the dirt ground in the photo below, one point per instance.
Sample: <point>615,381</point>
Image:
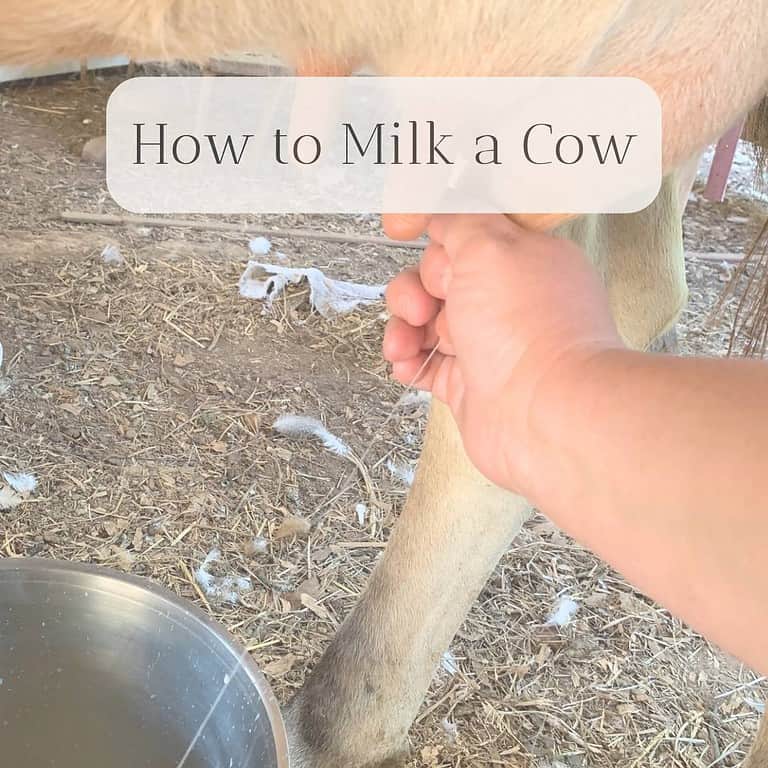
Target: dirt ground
<point>142,396</point>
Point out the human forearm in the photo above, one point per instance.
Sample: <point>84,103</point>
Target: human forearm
<point>646,457</point>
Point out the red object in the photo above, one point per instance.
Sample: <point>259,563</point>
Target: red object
<point>721,164</point>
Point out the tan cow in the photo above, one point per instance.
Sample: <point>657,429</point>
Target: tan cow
<point>708,61</point>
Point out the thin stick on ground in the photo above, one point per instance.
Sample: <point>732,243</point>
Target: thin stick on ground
<point>112,220</point>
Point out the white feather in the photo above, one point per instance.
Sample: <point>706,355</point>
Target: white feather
<point>227,588</point>
<point>259,246</point>
<point>565,609</point>
<point>449,663</point>
<point>402,472</point>
<point>9,498</point>
<point>21,482</point>
<point>112,255</point>
<point>293,425</point>
<point>414,399</point>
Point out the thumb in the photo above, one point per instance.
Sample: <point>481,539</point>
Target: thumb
<point>456,231</point>
<point>404,226</point>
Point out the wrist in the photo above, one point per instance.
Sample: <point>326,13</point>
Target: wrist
<point>565,404</point>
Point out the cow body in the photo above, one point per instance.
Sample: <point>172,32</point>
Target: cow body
<point>708,61</point>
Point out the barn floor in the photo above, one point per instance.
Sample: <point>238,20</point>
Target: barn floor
<point>142,398</point>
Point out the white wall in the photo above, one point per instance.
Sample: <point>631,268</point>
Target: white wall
<point>19,73</point>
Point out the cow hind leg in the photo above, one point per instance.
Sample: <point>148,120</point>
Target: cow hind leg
<point>669,342</point>
<point>758,755</point>
<point>359,702</point>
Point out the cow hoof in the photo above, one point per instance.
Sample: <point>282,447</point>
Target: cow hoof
<point>95,151</point>
<point>302,754</point>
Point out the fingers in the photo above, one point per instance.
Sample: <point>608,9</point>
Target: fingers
<point>404,226</point>
<point>441,375</point>
<point>434,270</point>
<point>448,384</point>
<point>414,372</point>
<point>453,231</point>
<point>413,294</point>
<point>402,341</point>
<point>408,299</point>
<point>442,334</point>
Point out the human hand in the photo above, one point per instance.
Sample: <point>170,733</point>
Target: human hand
<point>510,308</point>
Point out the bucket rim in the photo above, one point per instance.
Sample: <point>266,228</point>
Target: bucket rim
<point>49,567</point>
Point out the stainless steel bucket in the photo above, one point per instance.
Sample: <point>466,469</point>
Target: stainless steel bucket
<point>103,670</point>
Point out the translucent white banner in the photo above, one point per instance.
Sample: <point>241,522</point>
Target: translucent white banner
<point>370,144</point>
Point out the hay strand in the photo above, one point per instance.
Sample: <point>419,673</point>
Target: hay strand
<point>748,289</point>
